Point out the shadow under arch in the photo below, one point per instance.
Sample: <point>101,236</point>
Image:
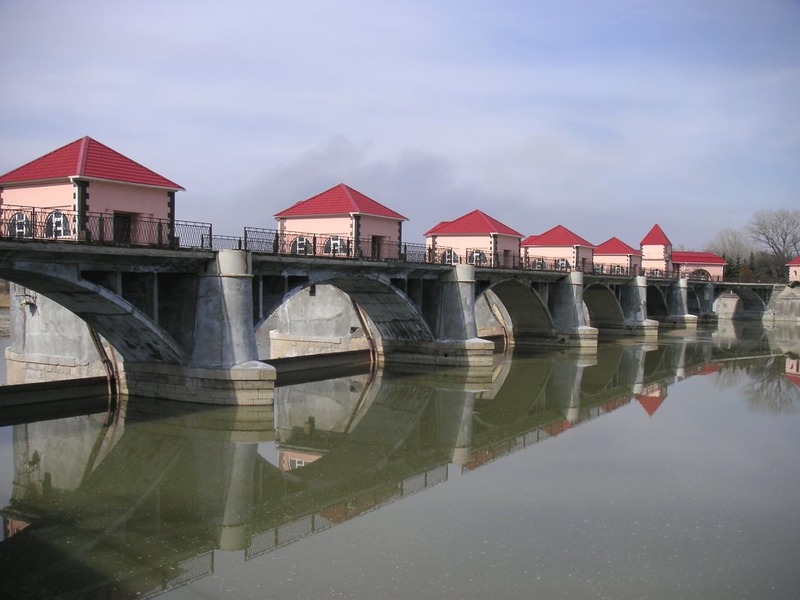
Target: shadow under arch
<point>605,312</point>
<point>656,303</point>
<point>383,310</point>
<point>133,334</point>
<point>513,311</point>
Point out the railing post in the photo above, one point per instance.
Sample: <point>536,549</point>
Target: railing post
<point>160,241</point>
<point>101,228</point>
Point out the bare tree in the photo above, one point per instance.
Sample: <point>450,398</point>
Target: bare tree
<point>777,231</point>
<point>733,244</point>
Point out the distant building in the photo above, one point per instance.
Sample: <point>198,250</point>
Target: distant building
<point>558,248</point>
<point>474,238</point>
<point>656,253</point>
<point>87,190</point>
<point>703,265</point>
<point>342,221</point>
<point>794,270</point>
<point>616,257</point>
<point>659,259</point>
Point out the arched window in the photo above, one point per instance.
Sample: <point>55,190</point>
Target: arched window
<point>57,225</point>
<point>477,257</point>
<point>538,264</point>
<point>562,264</point>
<point>335,245</point>
<point>655,272</point>
<point>618,270</point>
<point>19,226</point>
<point>449,257</point>
<point>301,245</point>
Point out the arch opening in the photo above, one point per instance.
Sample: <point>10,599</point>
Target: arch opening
<point>512,314</point>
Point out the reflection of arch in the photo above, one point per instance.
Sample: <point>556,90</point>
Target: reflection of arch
<point>301,246</point>
<point>335,245</point>
<point>603,306</point>
<point>57,225</point>
<point>448,257</point>
<point>19,225</point>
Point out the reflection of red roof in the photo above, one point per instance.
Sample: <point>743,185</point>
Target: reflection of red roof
<point>615,245</point>
<point>651,402</point>
<point>339,200</point>
<point>708,369</point>
<point>791,377</point>
<point>794,261</point>
<point>88,159</point>
<point>557,236</point>
<point>656,237</point>
<point>698,258</point>
<point>475,222</point>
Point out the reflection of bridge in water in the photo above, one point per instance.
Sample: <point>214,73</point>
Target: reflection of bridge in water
<point>138,504</point>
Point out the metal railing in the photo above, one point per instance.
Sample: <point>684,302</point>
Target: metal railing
<point>107,229</point>
<point>129,229</point>
<point>294,243</point>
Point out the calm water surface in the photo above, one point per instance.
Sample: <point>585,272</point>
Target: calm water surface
<point>661,471</point>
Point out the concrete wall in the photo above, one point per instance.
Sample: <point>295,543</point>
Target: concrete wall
<point>48,342</point>
<point>319,319</point>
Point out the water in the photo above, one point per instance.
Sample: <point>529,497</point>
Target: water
<point>665,471</point>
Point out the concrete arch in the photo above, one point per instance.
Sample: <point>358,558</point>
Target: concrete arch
<point>738,301</point>
<point>605,312</point>
<point>132,333</point>
<point>513,310</point>
<point>384,312</point>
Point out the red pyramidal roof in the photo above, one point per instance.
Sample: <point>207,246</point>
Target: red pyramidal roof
<point>615,245</point>
<point>339,200</point>
<point>706,258</point>
<point>794,261</point>
<point>557,236</point>
<point>656,237</point>
<point>88,159</point>
<point>475,222</point>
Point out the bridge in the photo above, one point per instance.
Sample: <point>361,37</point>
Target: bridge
<point>85,501</point>
<point>169,318</point>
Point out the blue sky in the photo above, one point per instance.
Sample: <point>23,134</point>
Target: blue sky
<point>605,117</point>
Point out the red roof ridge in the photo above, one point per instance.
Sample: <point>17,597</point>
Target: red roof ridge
<point>88,159</point>
<point>557,236</point>
<point>474,222</point>
<point>656,237</point>
<point>682,256</point>
<point>614,245</point>
<point>338,200</point>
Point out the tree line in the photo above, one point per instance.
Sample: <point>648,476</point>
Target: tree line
<point>760,251</point>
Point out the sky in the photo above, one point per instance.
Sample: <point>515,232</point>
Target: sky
<point>605,117</point>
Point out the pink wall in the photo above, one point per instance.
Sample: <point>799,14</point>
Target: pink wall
<point>507,247</point>
<point>579,257</point>
<point>657,257</point>
<point>379,226</point>
<point>108,197</point>
<point>318,225</point>
<point>794,273</point>
<point>342,225</point>
<point>43,196</point>
<point>632,263</point>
